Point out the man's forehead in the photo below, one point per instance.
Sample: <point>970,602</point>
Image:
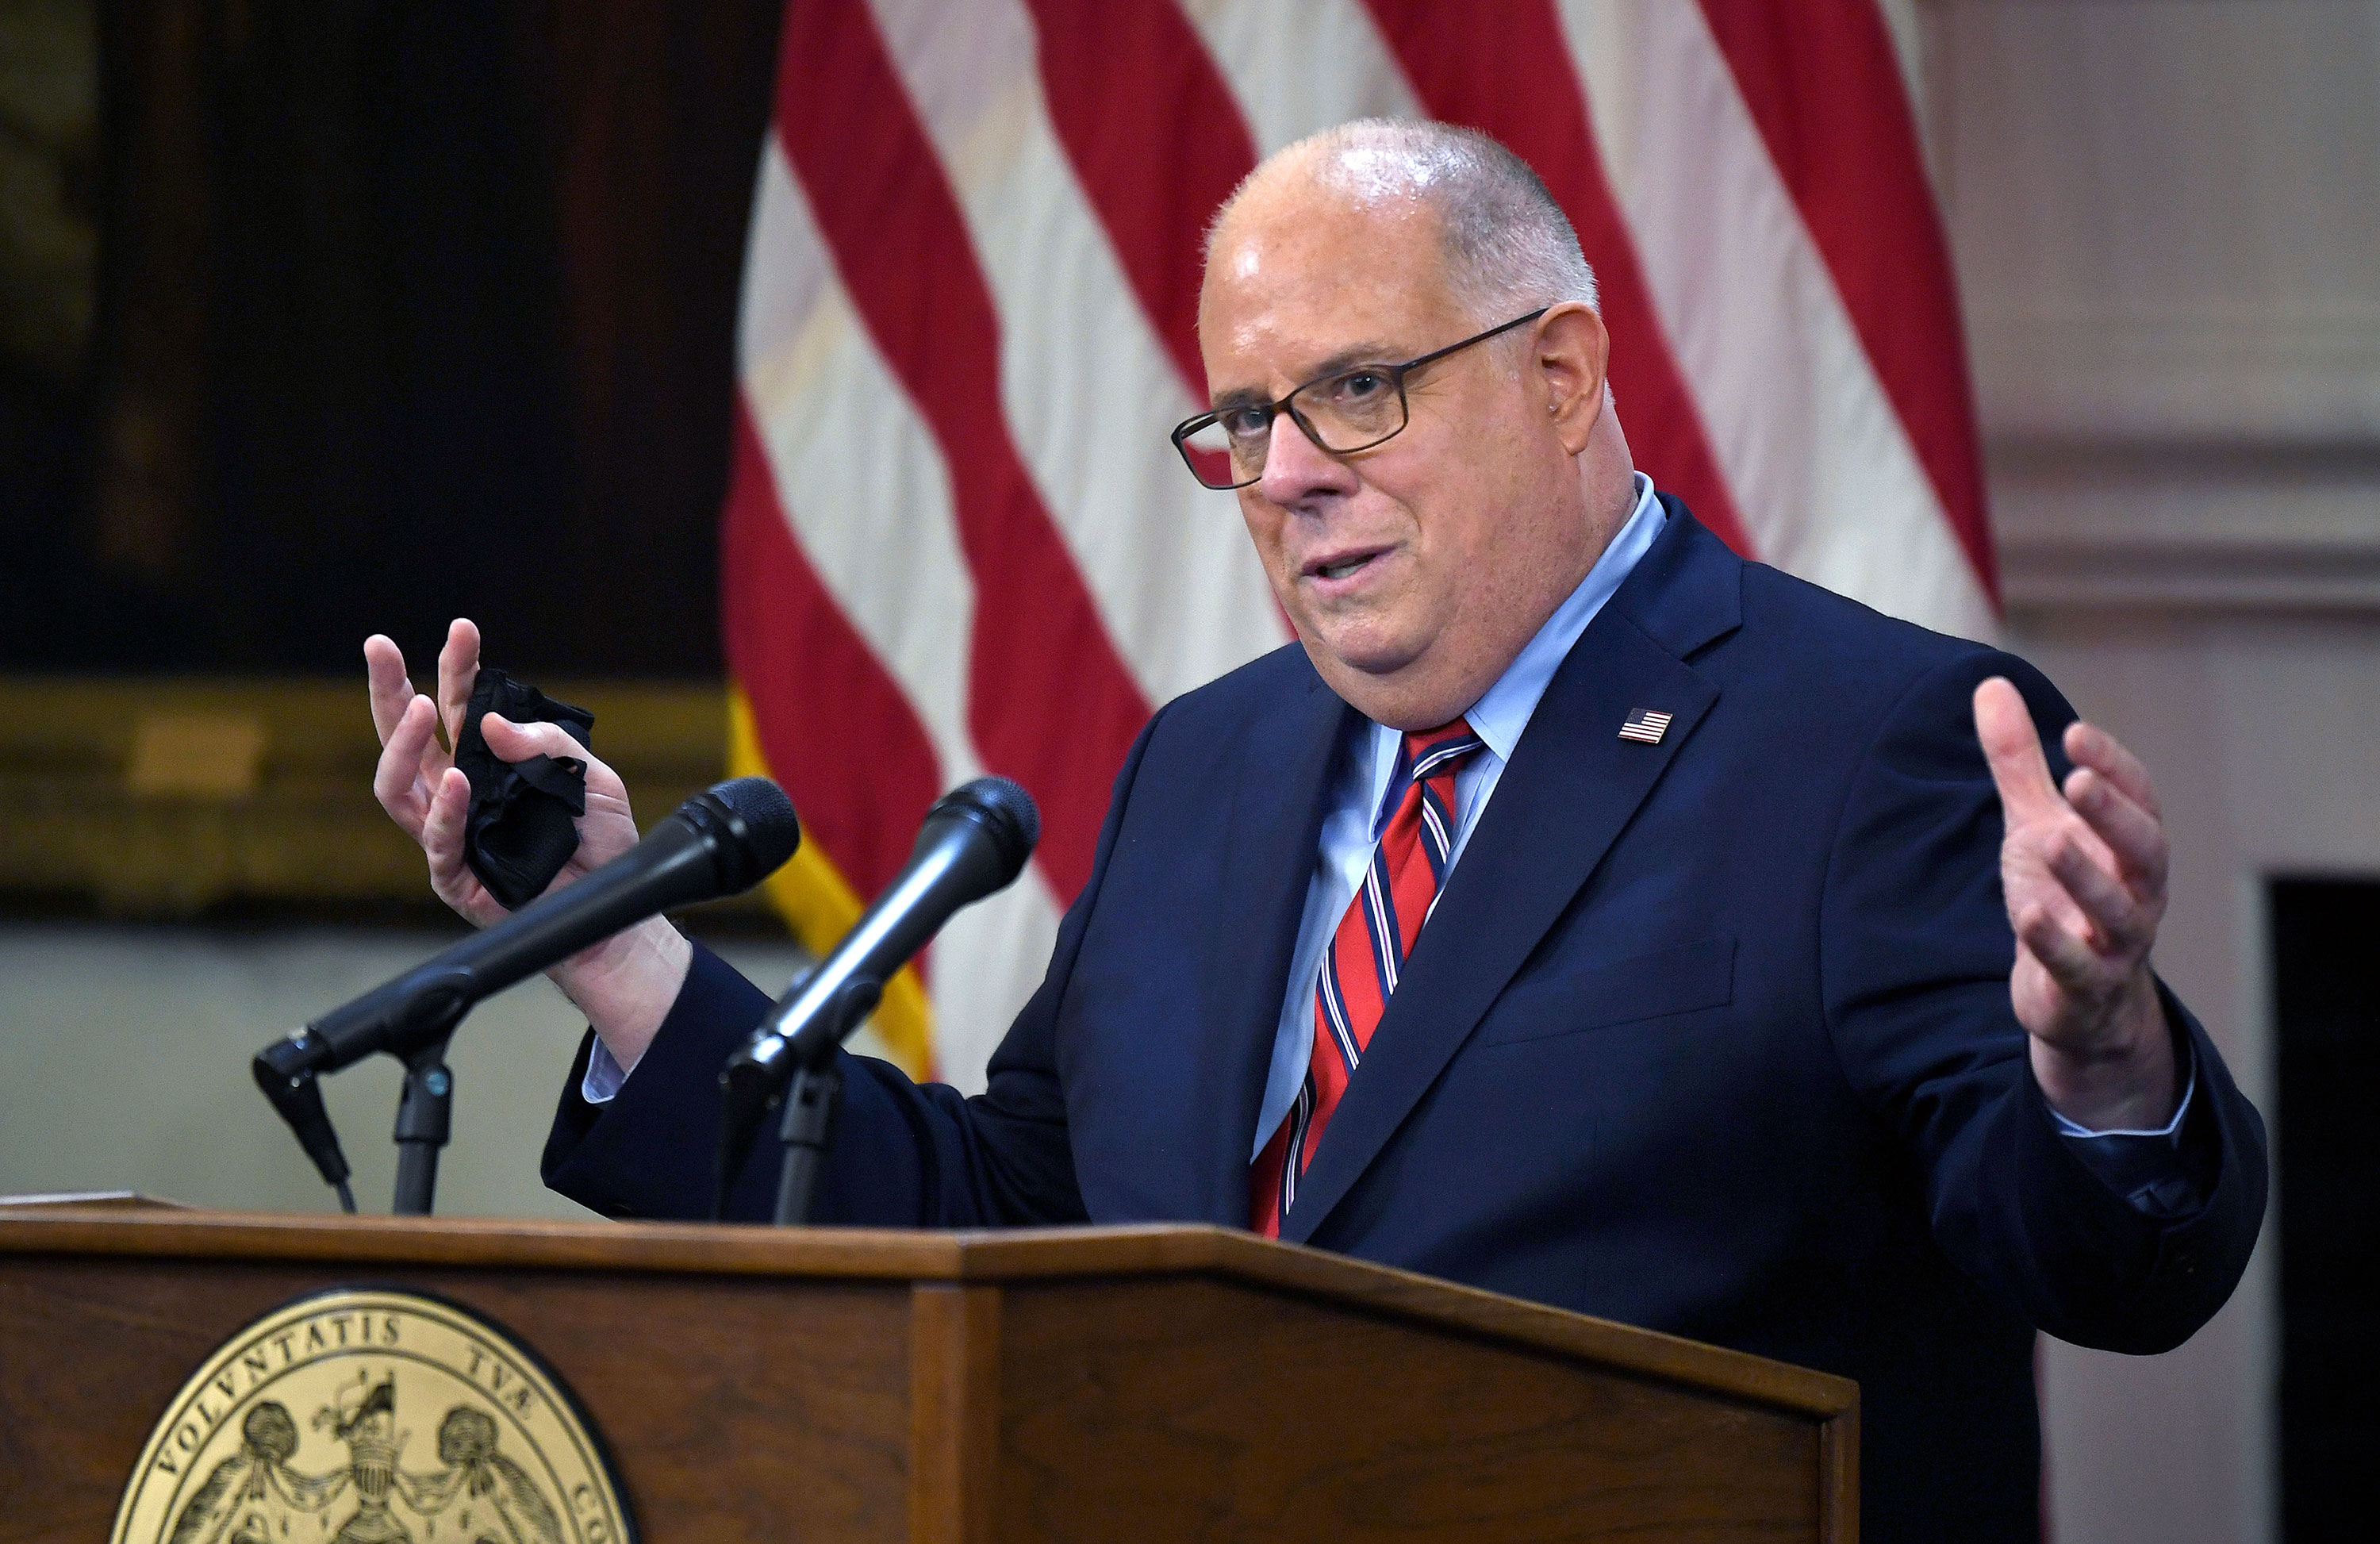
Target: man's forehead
<point>1295,281</point>
<point>1290,219</point>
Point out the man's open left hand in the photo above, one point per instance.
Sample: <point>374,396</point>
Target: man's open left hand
<point>2083,867</point>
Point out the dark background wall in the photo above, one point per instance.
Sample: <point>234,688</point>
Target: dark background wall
<point>380,313</point>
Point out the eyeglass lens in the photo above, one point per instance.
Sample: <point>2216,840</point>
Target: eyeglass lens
<point>1348,412</point>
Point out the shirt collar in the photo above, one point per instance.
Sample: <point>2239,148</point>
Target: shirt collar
<point>1502,711</point>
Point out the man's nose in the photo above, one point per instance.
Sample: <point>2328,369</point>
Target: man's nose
<point>1295,467</point>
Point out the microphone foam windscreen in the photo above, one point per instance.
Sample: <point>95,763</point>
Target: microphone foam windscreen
<point>1016,819</point>
<point>771,826</point>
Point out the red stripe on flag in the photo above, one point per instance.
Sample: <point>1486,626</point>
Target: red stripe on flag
<point>1049,702</point>
<point>1513,80</point>
<point>833,724</point>
<point>1822,82</point>
<point>1157,138</point>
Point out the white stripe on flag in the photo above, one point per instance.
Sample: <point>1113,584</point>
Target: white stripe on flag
<point>1088,389</point>
<point>1908,31</point>
<point>1301,67</point>
<point>1822,469</point>
<point>986,962</point>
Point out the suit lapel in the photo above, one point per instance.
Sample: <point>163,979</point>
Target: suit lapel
<point>1274,831</point>
<point>1570,789</point>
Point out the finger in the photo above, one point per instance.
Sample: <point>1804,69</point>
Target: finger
<point>397,779</point>
<point>2010,745</point>
<point>2087,744</point>
<point>442,838</point>
<point>2133,835</point>
<point>2117,922</point>
<point>459,671</point>
<point>2035,883</point>
<point>385,677</point>
<point>432,762</point>
<point>519,742</point>
<point>2081,971</point>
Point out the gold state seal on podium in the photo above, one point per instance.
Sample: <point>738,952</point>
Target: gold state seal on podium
<point>363,1415</point>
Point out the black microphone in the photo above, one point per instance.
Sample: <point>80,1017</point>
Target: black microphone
<point>721,842</point>
<point>299,1096</point>
<point>974,841</point>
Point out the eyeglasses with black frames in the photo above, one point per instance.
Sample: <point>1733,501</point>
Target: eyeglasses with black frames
<point>1342,413</point>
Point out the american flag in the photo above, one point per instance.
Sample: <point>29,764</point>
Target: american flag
<point>1646,725</point>
<point>957,540</point>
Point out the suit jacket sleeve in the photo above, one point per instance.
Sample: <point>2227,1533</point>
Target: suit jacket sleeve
<point>904,1155</point>
<point>1915,952</point>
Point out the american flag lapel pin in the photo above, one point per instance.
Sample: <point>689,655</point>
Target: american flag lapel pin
<point>1646,727</point>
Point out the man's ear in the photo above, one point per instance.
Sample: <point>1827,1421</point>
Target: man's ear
<point>1570,350</point>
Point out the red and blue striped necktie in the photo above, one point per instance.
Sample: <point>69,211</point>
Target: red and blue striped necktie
<point>1359,970</point>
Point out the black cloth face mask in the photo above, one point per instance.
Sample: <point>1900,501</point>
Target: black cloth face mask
<point>523,823</point>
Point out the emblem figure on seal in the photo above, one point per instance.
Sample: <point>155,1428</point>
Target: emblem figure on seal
<point>483,1495</point>
<point>480,1483</point>
<point>365,1420</point>
<point>249,1497</point>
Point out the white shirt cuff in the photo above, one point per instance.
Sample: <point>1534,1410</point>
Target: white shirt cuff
<point>2170,1130</point>
<point>604,1075</point>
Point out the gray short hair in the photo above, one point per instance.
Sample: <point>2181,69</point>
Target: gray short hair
<point>1509,244</point>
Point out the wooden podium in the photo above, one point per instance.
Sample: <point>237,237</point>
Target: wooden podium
<point>1114,1383</point>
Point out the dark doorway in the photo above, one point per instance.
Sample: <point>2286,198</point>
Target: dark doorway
<point>2325,936</point>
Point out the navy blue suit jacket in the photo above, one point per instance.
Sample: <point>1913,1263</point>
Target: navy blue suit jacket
<point>1711,1035</point>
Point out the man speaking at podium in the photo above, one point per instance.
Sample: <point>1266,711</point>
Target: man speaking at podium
<point>1576,910</point>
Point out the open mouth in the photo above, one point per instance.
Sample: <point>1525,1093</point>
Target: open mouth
<point>1339,568</point>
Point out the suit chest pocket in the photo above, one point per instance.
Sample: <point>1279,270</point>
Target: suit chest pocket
<point>1679,979</point>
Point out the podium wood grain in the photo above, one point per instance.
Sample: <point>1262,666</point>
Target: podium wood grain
<point>1074,1384</point>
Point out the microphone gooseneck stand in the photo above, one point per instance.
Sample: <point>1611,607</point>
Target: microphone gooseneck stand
<point>808,1125</point>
